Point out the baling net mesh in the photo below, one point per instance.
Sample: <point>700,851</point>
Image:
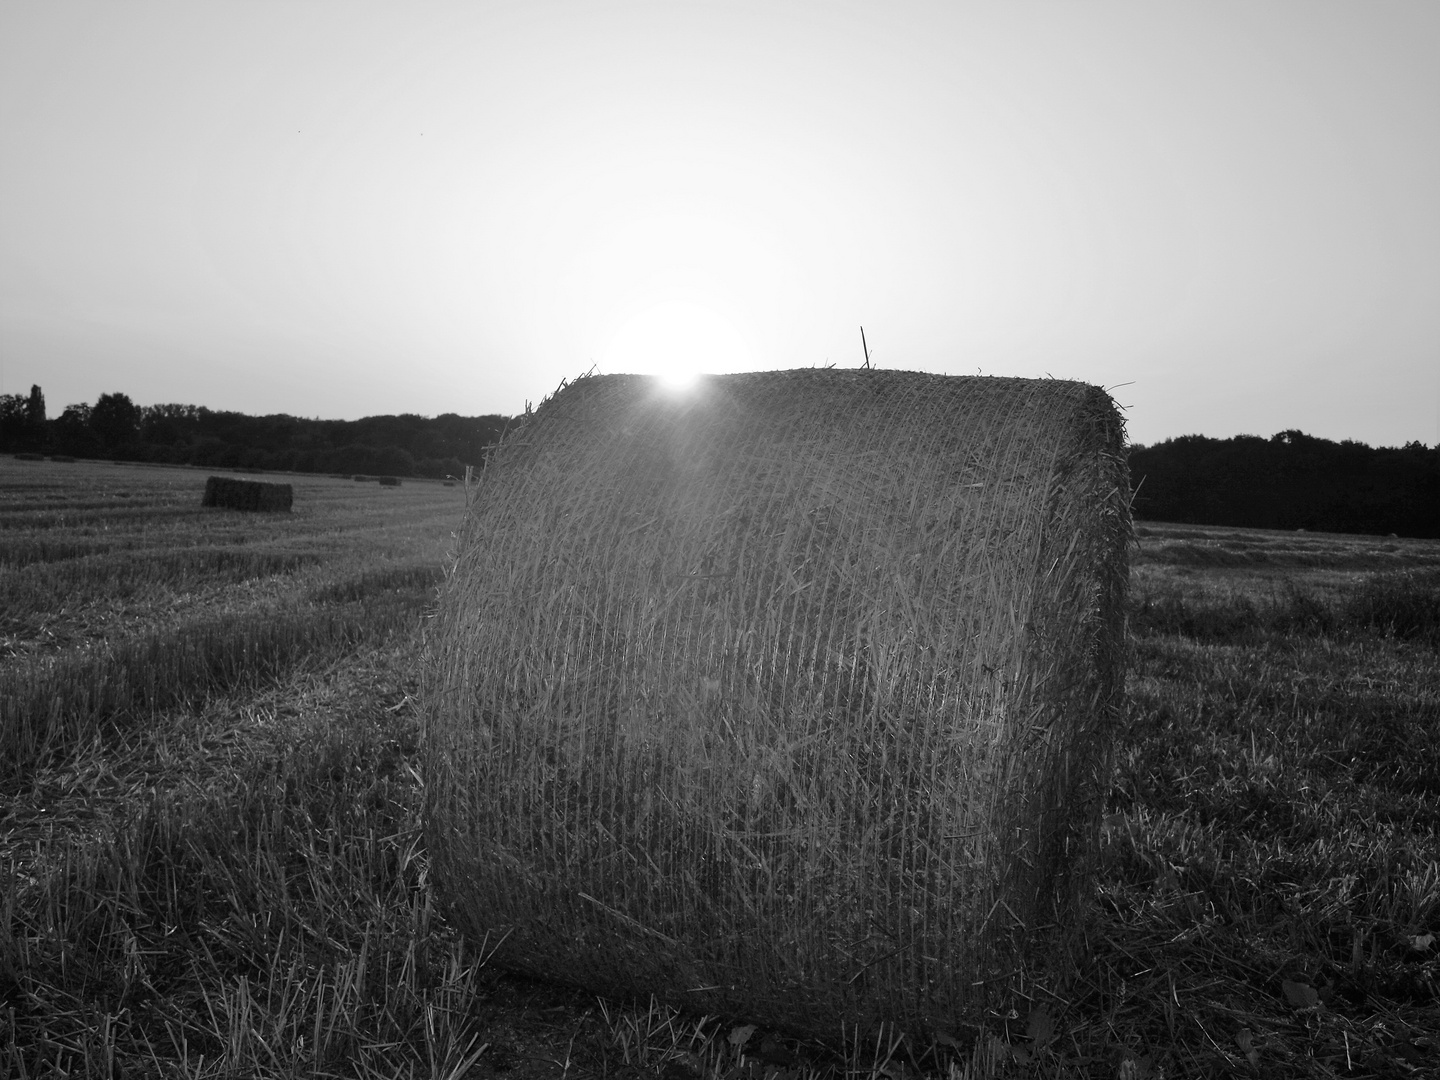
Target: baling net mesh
<point>789,696</point>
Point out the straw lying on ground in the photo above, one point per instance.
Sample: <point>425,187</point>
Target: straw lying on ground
<point>790,697</point>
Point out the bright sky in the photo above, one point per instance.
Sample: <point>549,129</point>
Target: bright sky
<point>342,209</point>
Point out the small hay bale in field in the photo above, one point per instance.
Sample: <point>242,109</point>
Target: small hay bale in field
<point>62,457</point>
<point>791,697</point>
<point>27,456</point>
<point>359,478</point>
<point>389,481</point>
<point>247,495</point>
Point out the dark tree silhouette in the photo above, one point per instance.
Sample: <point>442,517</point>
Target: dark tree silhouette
<point>116,421</point>
<point>35,409</point>
<point>22,421</point>
<point>12,422</point>
<point>70,432</point>
<point>114,427</point>
<point>1289,481</point>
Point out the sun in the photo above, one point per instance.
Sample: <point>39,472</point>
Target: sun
<point>677,341</point>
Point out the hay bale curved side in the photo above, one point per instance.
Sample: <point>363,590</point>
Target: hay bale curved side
<point>231,494</point>
<point>790,698</point>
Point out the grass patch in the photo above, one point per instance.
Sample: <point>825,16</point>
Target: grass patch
<point>49,705</point>
<point>1270,887</point>
<point>1402,604</point>
<point>275,922</point>
<point>39,589</point>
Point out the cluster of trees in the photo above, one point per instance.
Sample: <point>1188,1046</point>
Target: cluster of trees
<point>118,429</point>
<point>1289,481</point>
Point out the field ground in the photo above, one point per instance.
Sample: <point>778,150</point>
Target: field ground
<point>212,865</point>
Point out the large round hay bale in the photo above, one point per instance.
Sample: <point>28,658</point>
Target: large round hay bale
<point>788,697</point>
<point>231,494</point>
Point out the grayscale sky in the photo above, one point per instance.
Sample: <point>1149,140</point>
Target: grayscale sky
<point>341,209</point>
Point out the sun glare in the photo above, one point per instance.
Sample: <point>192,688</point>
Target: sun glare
<point>676,341</point>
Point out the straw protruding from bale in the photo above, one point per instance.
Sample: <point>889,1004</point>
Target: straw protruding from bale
<point>791,697</point>
<point>232,494</point>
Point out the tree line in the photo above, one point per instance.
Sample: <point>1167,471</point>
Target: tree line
<point>117,429</point>
<point>1289,481</point>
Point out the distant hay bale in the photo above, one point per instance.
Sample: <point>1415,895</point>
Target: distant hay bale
<point>62,457</point>
<point>359,478</point>
<point>389,481</point>
<point>247,495</point>
<point>789,698</point>
<point>27,456</point>
<point>448,483</point>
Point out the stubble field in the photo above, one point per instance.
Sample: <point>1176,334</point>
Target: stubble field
<point>211,863</point>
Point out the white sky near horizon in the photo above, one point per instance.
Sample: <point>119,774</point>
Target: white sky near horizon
<point>344,209</point>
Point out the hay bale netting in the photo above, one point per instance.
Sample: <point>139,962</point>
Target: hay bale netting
<point>247,494</point>
<point>790,697</point>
